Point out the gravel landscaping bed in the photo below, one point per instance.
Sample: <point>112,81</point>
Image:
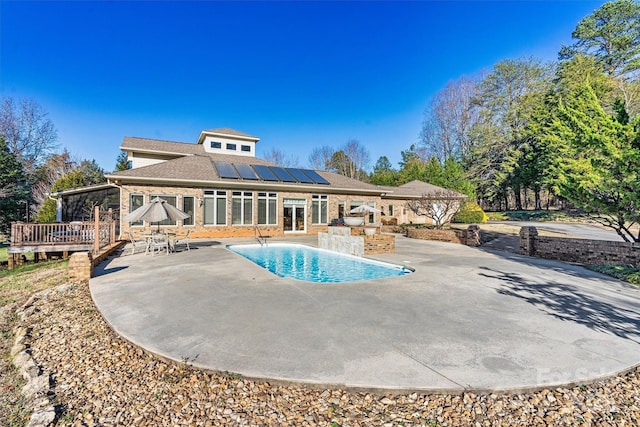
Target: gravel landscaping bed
<point>99,379</point>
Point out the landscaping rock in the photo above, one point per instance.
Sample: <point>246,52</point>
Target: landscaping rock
<point>101,379</point>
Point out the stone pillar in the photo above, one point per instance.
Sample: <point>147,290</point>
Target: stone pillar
<point>472,236</point>
<point>80,268</point>
<point>527,241</point>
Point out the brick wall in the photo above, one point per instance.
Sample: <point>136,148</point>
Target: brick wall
<point>582,251</point>
<point>469,237</point>
<point>215,231</point>
<point>80,267</point>
<point>380,244</point>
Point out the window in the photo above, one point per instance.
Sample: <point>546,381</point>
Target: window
<point>319,208</point>
<point>242,208</point>
<point>246,148</point>
<point>136,201</point>
<point>267,208</point>
<point>231,147</point>
<point>372,217</point>
<point>215,144</point>
<point>215,207</point>
<point>188,206</point>
<point>390,210</point>
<point>172,200</point>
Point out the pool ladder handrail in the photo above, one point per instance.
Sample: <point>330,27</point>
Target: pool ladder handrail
<point>259,237</point>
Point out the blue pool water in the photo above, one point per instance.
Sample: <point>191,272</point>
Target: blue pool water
<point>316,265</point>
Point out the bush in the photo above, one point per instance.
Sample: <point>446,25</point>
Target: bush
<point>470,213</point>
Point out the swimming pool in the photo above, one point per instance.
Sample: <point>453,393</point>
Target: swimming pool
<point>316,265</point>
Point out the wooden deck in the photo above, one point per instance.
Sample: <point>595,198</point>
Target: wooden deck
<point>58,239</point>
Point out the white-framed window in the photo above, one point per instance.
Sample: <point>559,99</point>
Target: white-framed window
<point>231,146</point>
<point>246,148</point>
<point>242,208</point>
<point>188,206</point>
<point>136,201</point>
<point>172,200</point>
<point>215,207</point>
<point>267,208</point>
<point>216,144</point>
<point>372,217</point>
<point>319,208</point>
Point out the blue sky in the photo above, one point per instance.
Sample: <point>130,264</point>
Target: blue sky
<point>298,75</point>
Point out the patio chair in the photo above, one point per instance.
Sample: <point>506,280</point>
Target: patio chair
<point>183,241</point>
<point>159,242</point>
<point>137,244</point>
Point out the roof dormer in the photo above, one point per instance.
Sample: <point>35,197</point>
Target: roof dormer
<point>228,141</point>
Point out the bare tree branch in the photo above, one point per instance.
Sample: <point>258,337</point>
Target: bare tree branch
<point>440,206</point>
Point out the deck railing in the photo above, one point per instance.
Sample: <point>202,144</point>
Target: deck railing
<point>64,234</point>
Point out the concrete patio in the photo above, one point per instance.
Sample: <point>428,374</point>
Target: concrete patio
<point>466,319</point>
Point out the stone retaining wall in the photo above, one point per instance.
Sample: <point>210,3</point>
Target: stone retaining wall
<point>582,251</point>
<point>469,237</point>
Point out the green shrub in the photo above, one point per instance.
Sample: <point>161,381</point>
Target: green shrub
<point>470,213</point>
<point>627,273</point>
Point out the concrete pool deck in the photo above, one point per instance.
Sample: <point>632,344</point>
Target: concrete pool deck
<point>467,319</point>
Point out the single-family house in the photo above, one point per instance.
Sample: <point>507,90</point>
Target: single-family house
<point>228,191</point>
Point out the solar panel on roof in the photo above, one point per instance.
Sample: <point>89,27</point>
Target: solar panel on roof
<point>245,171</point>
<point>226,170</point>
<point>282,174</point>
<point>315,176</point>
<point>265,173</point>
<point>299,175</point>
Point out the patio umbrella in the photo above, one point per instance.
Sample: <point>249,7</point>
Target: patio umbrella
<point>155,211</point>
<point>364,209</point>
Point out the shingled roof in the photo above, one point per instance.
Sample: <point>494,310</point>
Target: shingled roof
<point>199,168</point>
<point>229,131</point>
<point>417,188</point>
<point>159,146</point>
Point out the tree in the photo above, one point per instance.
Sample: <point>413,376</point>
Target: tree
<point>91,172</point>
<point>12,183</point>
<point>279,158</point>
<point>122,162</point>
<point>413,153</point>
<point>440,206</point>
<point>448,119</point>
<point>597,162</point>
<point>29,134</point>
<point>612,35</point>
<point>351,160</point>
<point>55,166</point>
<point>383,173</point>
<point>320,158</point>
<point>507,99</point>
<point>86,173</point>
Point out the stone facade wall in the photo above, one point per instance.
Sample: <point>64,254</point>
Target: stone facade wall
<point>352,241</point>
<point>218,231</point>
<point>582,251</point>
<point>339,239</point>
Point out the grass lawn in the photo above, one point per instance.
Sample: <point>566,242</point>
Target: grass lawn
<point>541,215</point>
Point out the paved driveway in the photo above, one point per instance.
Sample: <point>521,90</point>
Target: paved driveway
<point>581,231</point>
<point>466,319</point>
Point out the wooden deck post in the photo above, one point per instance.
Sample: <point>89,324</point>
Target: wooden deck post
<point>96,230</point>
